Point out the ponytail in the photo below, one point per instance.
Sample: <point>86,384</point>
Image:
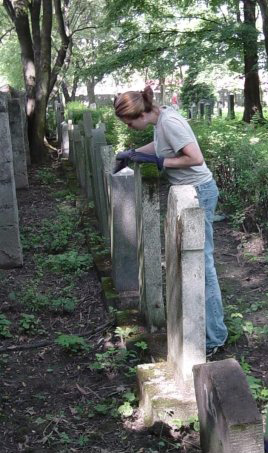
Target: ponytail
<point>133,103</point>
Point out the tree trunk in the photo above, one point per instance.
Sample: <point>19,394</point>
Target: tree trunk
<point>252,83</point>
<point>65,91</point>
<point>35,45</point>
<point>37,134</point>
<point>75,85</point>
<point>162,90</point>
<point>90,90</point>
<point>263,4</point>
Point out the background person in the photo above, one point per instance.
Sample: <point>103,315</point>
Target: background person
<point>176,150</point>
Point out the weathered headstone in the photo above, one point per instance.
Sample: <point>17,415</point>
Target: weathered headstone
<point>108,162</point>
<point>65,139</point>
<point>193,111</point>
<point>231,110</point>
<point>99,140</point>
<point>149,245</point>
<point>16,125</point>
<point>201,107</point>
<point>185,282</point>
<point>208,112</point>
<point>167,389</point>
<point>88,126</point>
<point>123,231</point>
<point>79,155</point>
<point>10,246</point>
<point>229,419</point>
<point>71,142</point>
<point>59,119</point>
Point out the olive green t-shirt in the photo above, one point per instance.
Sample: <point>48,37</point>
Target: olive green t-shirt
<point>171,133</point>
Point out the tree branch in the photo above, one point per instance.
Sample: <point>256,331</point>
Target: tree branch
<point>65,42</point>
<point>9,9</point>
<point>6,33</point>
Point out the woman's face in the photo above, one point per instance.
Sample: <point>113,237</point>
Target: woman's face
<point>139,123</point>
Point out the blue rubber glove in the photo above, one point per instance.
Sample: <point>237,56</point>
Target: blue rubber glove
<point>122,160</point>
<point>147,159</point>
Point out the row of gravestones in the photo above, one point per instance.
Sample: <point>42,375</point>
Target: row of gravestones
<point>14,157</point>
<point>204,109</point>
<point>128,209</point>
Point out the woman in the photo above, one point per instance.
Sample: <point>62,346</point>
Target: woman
<point>176,150</point>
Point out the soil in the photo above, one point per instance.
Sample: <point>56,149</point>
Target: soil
<point>55,400</point>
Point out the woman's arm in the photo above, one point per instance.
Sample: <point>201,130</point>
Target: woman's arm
<point>192,156</point>
<point>147,149</point>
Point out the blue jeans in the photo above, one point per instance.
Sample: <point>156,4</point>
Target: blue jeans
<point>216,331</point>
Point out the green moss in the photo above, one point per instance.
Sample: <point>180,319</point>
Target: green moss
<point>149,172</point>
<point>108,289</point>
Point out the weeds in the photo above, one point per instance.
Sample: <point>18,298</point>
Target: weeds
<point>4,327</point>
<point>72,343</point>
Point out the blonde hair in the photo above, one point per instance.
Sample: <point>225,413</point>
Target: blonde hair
<point>132,104</point>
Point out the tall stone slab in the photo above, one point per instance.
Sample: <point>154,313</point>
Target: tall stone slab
<point>123,231</point>
<point>99,140</point>
<point>167,388</point>
<point>108,163</point>
<point>65,139</point>
<point>79,153</point>
<point>71,142</point>
<point>185,284</point>
<point>10,246</point>
<point>16,125</point>
<point>88,126</point>
<point>149,245</point>
<point>229,418</point>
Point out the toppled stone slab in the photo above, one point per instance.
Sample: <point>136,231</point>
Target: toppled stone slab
<point>229,418</point>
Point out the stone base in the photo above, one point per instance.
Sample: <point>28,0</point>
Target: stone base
<point>160,398</point>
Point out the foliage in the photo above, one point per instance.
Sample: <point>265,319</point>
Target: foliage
<point>10,62</point>
<point>112,360</point>
<point>4,327</point>
<point>67,262</point>
<point>258,391</point>
<point>28,323</point>
<point>74,111</point>
<point>72,343</point>
<point>237,156</point>
<point>192,92</point>
<point>45,175</point>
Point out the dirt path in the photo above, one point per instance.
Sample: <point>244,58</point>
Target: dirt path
<point>65,397</point>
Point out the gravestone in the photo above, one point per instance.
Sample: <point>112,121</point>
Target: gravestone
<point>88,126</point>
<point>99,140</point>
<point>79,156</point>
<point>65,139</point>
<point>201,108</point>
<point>16,125</point>
<point>123,231</point>
<point>108,162</point>
<point>71,142</point>
<point>193,111</point>
<point>229,418</point>
<point>167,388</point>
<point>10,246</point>
<point>220,109</point>
<point>59,119</point>
<point>231,111</point>
<point>185,283</point>
<point>208,112</point>
<point>149,245</point>
<point>23,101</point>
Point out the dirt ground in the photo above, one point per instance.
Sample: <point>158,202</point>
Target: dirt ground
<point>56,399</point>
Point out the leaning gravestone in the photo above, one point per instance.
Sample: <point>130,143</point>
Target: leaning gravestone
<point>149,245</point>
<point>229,419</point>
<point>123,231</point>
<point>10,246</point>
<point>16,125</point>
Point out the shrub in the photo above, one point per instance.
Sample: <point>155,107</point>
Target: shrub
<point>237,155</point>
